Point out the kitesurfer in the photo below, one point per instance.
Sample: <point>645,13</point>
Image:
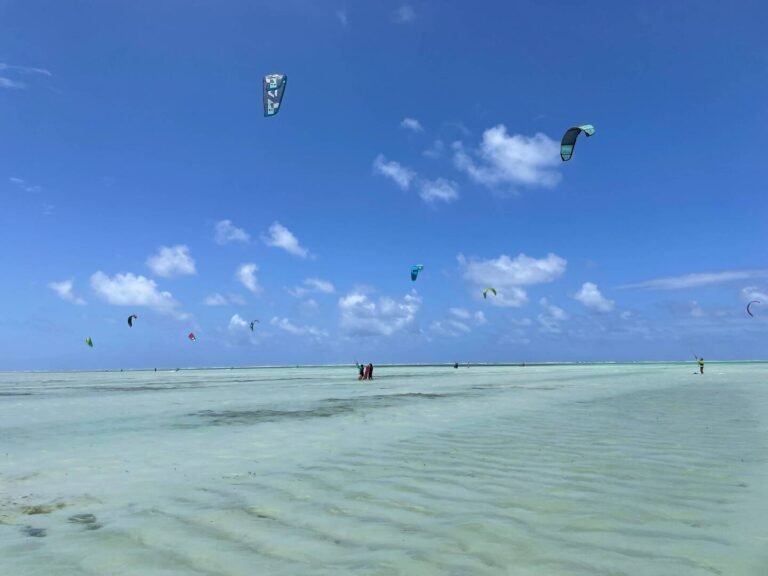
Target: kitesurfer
<point>701,365</point>
<point>361,369</point>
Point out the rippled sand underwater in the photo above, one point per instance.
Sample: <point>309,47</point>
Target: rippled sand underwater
<point>593,470</point>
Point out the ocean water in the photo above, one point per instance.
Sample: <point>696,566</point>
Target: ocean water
<point>578,470</point>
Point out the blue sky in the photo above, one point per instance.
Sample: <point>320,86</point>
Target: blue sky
<point>138,175</point>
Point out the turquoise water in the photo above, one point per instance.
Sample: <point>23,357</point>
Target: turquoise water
<point>613,469</point>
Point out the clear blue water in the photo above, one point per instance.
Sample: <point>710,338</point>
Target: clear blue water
<point>612,469</point>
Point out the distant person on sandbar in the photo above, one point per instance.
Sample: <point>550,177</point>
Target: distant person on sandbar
<point>701,365</point>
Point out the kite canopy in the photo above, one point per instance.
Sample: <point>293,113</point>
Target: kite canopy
<point>415,271</point>
<point>254,322</point>
<point>569,139</point>
<point>489,289</point>
<point>131,318</point>
<point>192,336</point>
<point>273,90</point>
<point>89,341</point>
<point>750,304</point>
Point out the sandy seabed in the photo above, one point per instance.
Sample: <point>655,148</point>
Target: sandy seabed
<point>578,470</point>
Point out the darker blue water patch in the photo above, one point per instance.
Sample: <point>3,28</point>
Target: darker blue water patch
<point>15,393</point>
<point>327,409</point>
<point>34,532</point>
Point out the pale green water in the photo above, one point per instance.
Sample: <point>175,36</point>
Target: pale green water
<point>590,470</point>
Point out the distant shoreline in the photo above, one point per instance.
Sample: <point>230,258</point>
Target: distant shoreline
<point>394,365</point>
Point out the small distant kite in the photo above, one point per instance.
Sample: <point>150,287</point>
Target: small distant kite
<point>192,336</point>
<point>750,304</point>
<point>131,318</point>
<point>569,139</point>
<point>489,289</point>
<point>274,88</point>
<point>415,271</point>
<point>89,341</point>
<point>254,322</point>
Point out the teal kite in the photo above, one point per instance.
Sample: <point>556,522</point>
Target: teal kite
<point>273,90</point>
<point>489,289</point>
<point>89,341</point>
<point>415,271</point>
<point>569,139</point>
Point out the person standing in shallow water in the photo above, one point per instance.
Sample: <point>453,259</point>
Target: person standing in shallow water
<point>370,371</point>
<point>361,368</point>
<point>701,365</point>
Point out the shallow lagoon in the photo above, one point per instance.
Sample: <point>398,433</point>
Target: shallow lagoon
<point>583,469</point>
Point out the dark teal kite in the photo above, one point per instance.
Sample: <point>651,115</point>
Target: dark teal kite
<point>569,139</point>
<point>415,271</point>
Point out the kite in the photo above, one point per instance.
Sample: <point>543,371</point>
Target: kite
<point>415,271</point>
<point>131,318</point>
<point>274,88</point>
<point>569,139</point>
<point>485,292</point>
<point>254,322</point>
<point>192,336</point>
<point>750,304</point>
<point>89,341</point>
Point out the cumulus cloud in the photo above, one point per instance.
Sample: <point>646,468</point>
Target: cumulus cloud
<point>312,285</point>
<point>65,290</point>
<point>172,261</point>
<point>217,299</point>
<point>288,326</point>
<point>750,293</point>
<point>280,237</point>
<point>440,189</point>
<point>550,318</point>
<point>699,279</point>
<point>405,14</point>
<point>362,316</point>
<point>246,274</point>
<point>237,324</point>
<point>225,232</point>
<point>23,184</point>
<point>515,160</point>
<point>412,124</point>
<point>131,290</point>
<point>508,276</point>
<point>395,171</point>
<point>590,296</point>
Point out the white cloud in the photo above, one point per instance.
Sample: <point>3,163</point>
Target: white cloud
<point>412,124</point>
<point>405,14</point>
<point>132,290</point>
<point>460,313</point>
<point>508,275</point>
<point>312,285</point>
<point>436,150</point>
<point>8,83</point>
<point>516,160</point>
<point>65,290</point>
<point>549,320</point>
<point>696,280</point>
<point>246,274</point>
<point>398,173</point>
<point>172,261</point>
<point>590,296</point>
<point>23,184</point>
<point>288,326</point>
<point>362,316</point>
<point>450,328</point>
<point>754,293</point>
<point>480,317</point>
<point>440,189</point>
<point>280,237</point>
<point>25,69</point>
<point>226,232</point>
<point>217,299</point>
<point>237,324</point>
<point>342,16</point>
